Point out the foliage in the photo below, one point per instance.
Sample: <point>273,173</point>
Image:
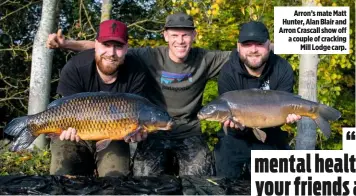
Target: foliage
<point>24,162</point>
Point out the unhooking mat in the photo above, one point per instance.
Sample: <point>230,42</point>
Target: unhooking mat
<point>162,185</point>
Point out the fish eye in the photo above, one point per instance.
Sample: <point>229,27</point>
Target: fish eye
<point>153,118</point>
<point>212,107</point>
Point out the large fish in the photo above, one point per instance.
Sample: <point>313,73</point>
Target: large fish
<point>98,116</point>
<point>256,108</point>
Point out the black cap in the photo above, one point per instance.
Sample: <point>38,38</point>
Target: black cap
<point>253,31</point>
<point>179,20</point>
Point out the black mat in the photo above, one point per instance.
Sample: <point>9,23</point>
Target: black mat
<point>162,185</point>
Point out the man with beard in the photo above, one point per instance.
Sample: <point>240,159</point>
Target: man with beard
<point>178,74</point>
<point>104,68</point>
<point>252,65</point>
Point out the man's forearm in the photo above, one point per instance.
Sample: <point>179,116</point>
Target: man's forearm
<point>78,45</point>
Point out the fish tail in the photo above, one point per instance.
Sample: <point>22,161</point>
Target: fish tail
<point>325,114</point>
<point>22,136</point>
<point>328,113</point>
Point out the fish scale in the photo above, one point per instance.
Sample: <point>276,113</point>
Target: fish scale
<point>95,116</point>
<point>97,119</point>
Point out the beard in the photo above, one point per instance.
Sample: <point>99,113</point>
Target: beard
<point>108,68</point>
<point>254,65</point>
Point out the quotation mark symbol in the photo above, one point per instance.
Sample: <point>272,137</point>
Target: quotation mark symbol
<point>350,135</point>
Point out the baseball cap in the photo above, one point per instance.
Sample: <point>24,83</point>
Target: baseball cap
<point>180,19</point>
<point>112,30</point>
<point>253,31</point>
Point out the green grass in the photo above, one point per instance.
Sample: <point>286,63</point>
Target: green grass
<point>35,162</point>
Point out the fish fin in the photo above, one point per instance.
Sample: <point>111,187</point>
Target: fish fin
<point>275,92</point>
<point>22,136</point>
<point>57,102</point>
<point>225,130</point>
<point>102,144</point>
<point>324,126</point>
<point>232,119</point>
<point>69,98</point>
<point>66,99</point>
<point>260,135</point>
<point>128,136</point>
<point>237,123</point>
<point>328,113</point>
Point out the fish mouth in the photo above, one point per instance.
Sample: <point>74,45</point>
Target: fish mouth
<point>201,116</point>
<point>170,124</point>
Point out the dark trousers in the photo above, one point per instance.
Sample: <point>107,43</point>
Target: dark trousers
<point>72,158</point>
<point>158,156</point>
<point>233,154</point>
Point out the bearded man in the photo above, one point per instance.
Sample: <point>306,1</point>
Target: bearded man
<point>103,68</point>
<point>252,65</point>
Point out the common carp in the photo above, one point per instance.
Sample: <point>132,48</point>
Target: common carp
<point>256,108</point>
<point>98,116</point>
